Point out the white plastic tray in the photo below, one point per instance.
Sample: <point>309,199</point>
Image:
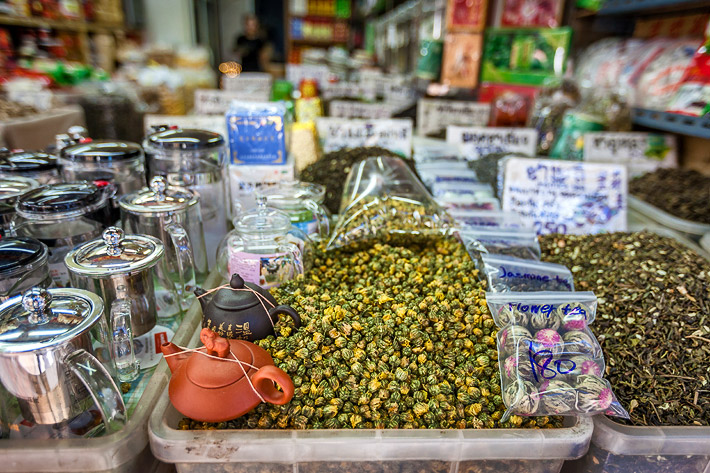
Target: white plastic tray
<point>126,451</point>
<point>380,451</point>
<point>692,229</point>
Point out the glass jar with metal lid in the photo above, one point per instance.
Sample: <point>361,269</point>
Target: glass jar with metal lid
<point>41,167</point>
<point>48,362</point>
<point>11,188</point>
<point>62,216</point>
<point>303,202</point>
<point>195,159</point>
<point>171,214</point>
<point>260,248</point>
<point>23,265</point>
<point>127,268</point>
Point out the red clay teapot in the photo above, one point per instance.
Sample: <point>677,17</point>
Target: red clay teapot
<point>209,389</point>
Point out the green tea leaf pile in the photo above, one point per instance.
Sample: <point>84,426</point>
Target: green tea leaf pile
<point>392,337</point>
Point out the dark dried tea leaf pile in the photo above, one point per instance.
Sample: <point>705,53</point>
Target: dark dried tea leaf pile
<point>680,192</point>
<point>652,321</point>
<point>332,169</point>
<point>391,337</point>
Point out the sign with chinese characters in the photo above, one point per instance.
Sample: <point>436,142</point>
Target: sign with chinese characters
<point>433,116</point>
<point>393,134</point>
<point>475,142</point>
<point>566,196</point>
<point>640,152</point>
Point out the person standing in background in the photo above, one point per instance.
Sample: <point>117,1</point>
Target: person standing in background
<point>253,47</point>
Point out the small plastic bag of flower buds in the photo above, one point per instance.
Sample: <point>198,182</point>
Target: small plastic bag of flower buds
<point>519,243</point>
<point>383,201</point>
<point>550,362</point>
<point>509,274</point>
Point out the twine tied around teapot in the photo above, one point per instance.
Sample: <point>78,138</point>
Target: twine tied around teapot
<point>260,297</point>
<point>241,364</point>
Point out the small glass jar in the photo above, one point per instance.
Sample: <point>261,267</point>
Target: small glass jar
<point>195,159</point>
<point>41,167</point>
<point>62,216</point>
<point>11,188</point>
<point>261,248</point>
<point>23,265</point>
<point>303,202</point>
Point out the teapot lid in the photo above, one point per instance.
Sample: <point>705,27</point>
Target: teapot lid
<point>61,200</point>
<point>159,198</point>
<point>44,318</point>
<point>291,194</point>
<point>102,151</point>
<point>12,187</point>
<point>114,253</point>
<point>17,253</point>
<point>18,161</point>
<point>205,372</point>
<point>263,220</point>
<point>229,299</point>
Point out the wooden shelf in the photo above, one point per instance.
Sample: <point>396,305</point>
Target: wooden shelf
<point>66,25</point>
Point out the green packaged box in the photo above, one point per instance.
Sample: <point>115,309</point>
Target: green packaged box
<point>526,56</point>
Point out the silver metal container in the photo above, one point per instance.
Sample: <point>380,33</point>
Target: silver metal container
<point>47,361</point>
<point>171,214</point>
<point>23,265</point>
<point>195,159</point>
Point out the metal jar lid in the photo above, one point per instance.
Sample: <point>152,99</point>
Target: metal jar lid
<point>20,161</point>
<point>61,200</point>
<point>102,151</point>
<point>291,194</point>
<point>114,253</point>
<point>185,139</point>
<point>46,318</point>
<point>159,199</point>
<point>18,253</point>
<point>13,187</point>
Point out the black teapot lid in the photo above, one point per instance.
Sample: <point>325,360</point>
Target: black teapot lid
<point>229,299</point>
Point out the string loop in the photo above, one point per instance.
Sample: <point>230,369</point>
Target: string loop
<point>260,297</point>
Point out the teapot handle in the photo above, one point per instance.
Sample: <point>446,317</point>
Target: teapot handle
<point>285,310</point>
<point>124,355</point>
<point>103,390</point>
<point>264,380</point>
<point>183,254</point>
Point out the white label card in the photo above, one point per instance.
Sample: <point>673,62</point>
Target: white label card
<point>295,73</point>
<point>351,90</point>
<point>393,134</point>
<point>213,123</point>
<point>217,102</point>
<point>475,142</point>
<point>566,196</point>
<point>248,82</point>
<point>345,109</point>
<point>640,152</point>
<point>435,115</point>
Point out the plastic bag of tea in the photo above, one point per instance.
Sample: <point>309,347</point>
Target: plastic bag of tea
<point>550,361</point>
<point>509,274</point>
<point>487,169</point>
<point>384,202</point>
<point>519,243</point>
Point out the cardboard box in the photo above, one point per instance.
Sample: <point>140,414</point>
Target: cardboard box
<point>462,57</point>
<point>466,15</point>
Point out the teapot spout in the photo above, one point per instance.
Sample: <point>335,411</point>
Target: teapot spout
<point>200,294</point>
<point>174,360</point>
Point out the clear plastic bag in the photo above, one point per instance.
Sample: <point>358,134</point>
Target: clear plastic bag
<point>509,274</point>
<point>384,202</point>
<point>550,362</point>
<point>485,219</point>
<point>518,243</point>
<point>458,178</point>
<point>469,203</point>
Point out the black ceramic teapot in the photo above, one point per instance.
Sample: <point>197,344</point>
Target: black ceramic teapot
<point>238,313</point>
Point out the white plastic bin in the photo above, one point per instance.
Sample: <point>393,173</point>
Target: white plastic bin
<point>126,451</point>
<point>618,448</point>
<point>690,229</point>
<point>364,451</point>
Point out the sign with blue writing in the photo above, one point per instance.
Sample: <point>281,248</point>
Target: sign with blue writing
<point>641,152</point>
<point>392,134</point>
<point>475,142</point>
<point>566,196</point>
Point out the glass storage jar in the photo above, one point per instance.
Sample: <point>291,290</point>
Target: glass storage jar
<point>303,202</point>
<point>195,159</point>
<point>62,216</point>
<point>11,188</point>
<point>41,167</point>
<point>261,249</point>
<point>23,265</point>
